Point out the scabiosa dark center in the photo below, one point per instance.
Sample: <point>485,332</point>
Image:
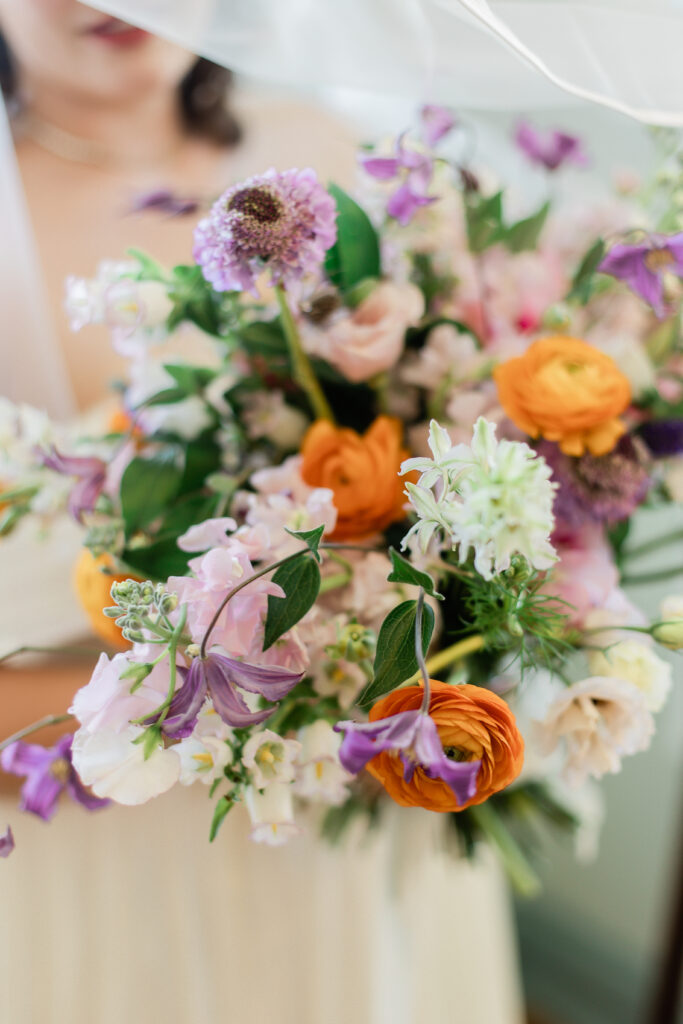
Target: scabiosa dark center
<point>260,204</point>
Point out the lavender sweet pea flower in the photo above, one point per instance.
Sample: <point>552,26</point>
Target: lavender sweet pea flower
<point>436,122</point>
<point>6,843</point>
<point>90,472</point>
<point>217,676</point>
<point>48,771</point>
<point>414,737</point>
<point>551,149</point>
<point>642,267</point>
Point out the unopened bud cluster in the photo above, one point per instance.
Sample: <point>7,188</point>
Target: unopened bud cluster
<point>139,605</point>
<point>354,643</point>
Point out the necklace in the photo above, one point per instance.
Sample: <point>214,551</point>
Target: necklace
<point>78,150</point>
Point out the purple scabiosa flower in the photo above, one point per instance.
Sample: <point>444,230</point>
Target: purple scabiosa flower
<point>163,200</point>
<point>550,149</point>
<point>598,488</point>
<point>90,472</point>
<point>217,676</point>
<point>283,221</point>
<point>413,170</point>
<point>436,122</point>
<point>413,736</point>
<point>48,771</point>
<point>642,267</point>
<point>663,437</point>
<point>6,843</point>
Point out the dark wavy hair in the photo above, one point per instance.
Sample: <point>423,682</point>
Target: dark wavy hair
<point>202,98</point>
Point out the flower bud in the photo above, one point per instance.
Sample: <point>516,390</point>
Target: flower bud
<point>354,643</point>
<point>669,631</point>
<point>557,317</point>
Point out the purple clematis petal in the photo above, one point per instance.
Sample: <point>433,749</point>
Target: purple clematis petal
<point>404,203</point>
<point>6,843</point>
<point>48,771</point>
<point>229,704</point>
<point>269,681</point>
<point>642,267</point>
<point>551,149</point>
<point>90,472</point>
<point>380,167</point>
<point>187,701</point>
<point>436,122</point>
<point>414,736</point>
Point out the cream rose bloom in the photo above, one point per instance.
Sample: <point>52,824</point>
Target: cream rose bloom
<point>600,719</point>
<point>369,339</point>
<point>638,664</point>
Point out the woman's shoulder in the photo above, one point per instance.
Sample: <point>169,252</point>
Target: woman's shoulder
<point>288,131</point>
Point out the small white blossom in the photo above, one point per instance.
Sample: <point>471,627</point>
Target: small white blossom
<point>205,753</point>
<point>272,814</point>
<point>495,497</point>
<point>266,414</point>
<point>115,767</point>
<point>669,632</point>
<point>320,775</point>
<point>639,664</point>
<point>270,758</point>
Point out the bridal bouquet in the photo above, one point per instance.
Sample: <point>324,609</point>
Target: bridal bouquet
<point>358,524</point>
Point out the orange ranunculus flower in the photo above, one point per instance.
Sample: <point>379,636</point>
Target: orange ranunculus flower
<point>361,470</point>
<point>93,585</point>
<point>566,391</point>
<point>473,724</point>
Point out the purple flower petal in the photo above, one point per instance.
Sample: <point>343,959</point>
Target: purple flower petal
<point>6,843</point>
<point>663,437</point>
<point>228,702</point>
<point>165,201</point>
<point>82,796</point>
<point>383,168</point>
<point>436,122</point>
<point>551,149</point>
<point>404,203</point>
<point>270,682</point>
<point>634,265</point>
<point>91,473</point>
<point>187,701</point>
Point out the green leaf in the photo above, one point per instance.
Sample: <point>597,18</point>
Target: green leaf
<point>202,457</point>
<point>484,218</point>
<point>355,255</point>
<point>192,379</point>
<point>147,488</point>
<point>137,672</point>
<point>223,805</point>
<point>395,659</point>
<point>157,561</point>
<point>404,572</point>
<point>300,580</point>
<point>310,537</point>
<point>149,740</point>
<point>263,338</point>
<point>166,397</point>
<point>582,282</point>
<point>524,234</point>
<point>150,269</point>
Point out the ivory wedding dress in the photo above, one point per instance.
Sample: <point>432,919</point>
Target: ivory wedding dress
<point>128,914</point>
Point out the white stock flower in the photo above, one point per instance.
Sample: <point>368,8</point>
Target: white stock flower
<point>636,662</point>
<point>270,758</point>
<point>115,767</point>
<point>272,814</point>
<point>320,775</point>
<point>669,631</point>
<point>495,497</point>
<point>600,719</point>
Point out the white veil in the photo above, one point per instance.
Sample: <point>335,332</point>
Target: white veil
<point>486,54</point>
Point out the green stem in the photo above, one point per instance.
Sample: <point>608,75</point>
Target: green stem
<point>301,367</point>
<point>653,545</point>
<point>42,723</point>
<point>338,579</point>
<point>651,577</point>
<point>175,639</point>
<point>241,586</point>
<point>419,653</point>
<point>29,649</point>
<point>521,874</point>
<point>450,654</point>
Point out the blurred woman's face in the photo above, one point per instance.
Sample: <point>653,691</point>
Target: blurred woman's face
<point>65,46</point>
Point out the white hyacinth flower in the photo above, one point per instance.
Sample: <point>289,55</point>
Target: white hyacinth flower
<point>494,497</point>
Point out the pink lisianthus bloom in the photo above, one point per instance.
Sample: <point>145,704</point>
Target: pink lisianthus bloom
<point>215,574</point>
<point>106,703</point>
<point>585,574</point>
<point>369,339</point>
